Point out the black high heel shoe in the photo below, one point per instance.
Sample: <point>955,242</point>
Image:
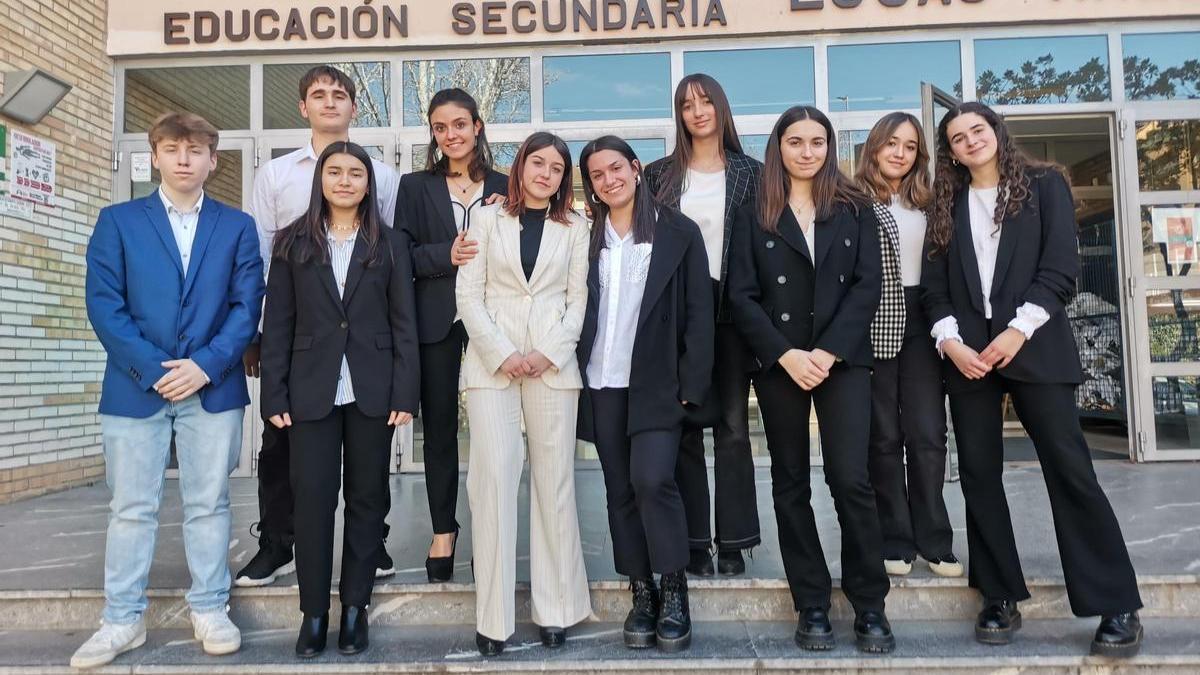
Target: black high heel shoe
<point>439,570</point>
<point>311,641</point>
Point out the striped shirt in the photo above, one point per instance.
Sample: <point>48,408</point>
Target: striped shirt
<point>339,258</point>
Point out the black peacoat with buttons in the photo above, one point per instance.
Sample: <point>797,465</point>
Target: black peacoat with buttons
<point>784,296</point>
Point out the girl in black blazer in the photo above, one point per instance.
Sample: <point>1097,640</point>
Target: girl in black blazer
<point>908,401</point>
<point>339,372</point>
<point>434,209</point>
<point>804,282</point>
<point>709,179</point>
<point>646,354</point>
<point>1003,264</point>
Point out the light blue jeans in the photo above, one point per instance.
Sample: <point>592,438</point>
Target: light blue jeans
<point>136,453</point>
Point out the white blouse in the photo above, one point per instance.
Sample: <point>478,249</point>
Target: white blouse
<point>623,269</point>
<point>703,200</point>
<point>911,223</point>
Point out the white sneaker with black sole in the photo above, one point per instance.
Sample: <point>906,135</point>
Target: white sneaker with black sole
<point>105,644</point>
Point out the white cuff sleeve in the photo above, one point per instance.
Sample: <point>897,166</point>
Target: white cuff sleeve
<point>1030,317</point>
<point>946,329</point>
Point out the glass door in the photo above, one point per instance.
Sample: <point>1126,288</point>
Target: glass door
<point>230,183</point>
<point>1161,167</point>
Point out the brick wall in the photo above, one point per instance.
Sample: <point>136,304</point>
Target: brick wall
<point>50,362</point>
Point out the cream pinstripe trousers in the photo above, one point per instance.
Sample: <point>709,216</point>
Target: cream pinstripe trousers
<point>557,575</point>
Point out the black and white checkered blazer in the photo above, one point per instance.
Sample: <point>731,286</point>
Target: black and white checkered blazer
<point>741,185</point>
<point>887,330</point>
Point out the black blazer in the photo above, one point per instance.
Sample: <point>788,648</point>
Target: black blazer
<point>766,272</point>
<point>673,349</point>
<point>424,213</point>
<point>741,184</point>
<point>1037,261</point>
<point>308,329</point>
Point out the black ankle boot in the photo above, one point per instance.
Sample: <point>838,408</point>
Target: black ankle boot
<point>1119,635</point>
<point>873,633</point>
<point>813,631</point>
<point>998,622</point>
<point>552,636</point>
<point>674,629</point>
<point>640,623</point>
<point>700,563</point>
<point>487,646</point>
<point>352,632</point>
<point>313,630</point>
<point>730,563</point>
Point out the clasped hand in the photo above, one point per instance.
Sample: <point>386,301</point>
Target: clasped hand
<point>533,364</point>
<point>808,369</point>
<point>975,365</point>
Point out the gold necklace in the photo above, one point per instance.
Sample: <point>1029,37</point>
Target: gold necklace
<point>343,228</point>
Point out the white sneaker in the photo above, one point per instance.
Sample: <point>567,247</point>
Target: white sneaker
<point>216,632</point>
<point>947,566</point>
<point>897,567</point>
<point>106,643</point>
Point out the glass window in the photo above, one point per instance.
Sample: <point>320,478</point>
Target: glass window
<point>755,145</point>
<point>281,94</point>
<point>889,76</point>
<point>1176,412</point>
<point>752,78</point>
<point>607,87</point>
<point>1042,70</point>
<point>1169,236</point>
<point>1173,316</point>
<point>499,86</point>
<point>1161,66</point>
<point>1169,155</point>
<point>850,147</point>
<point>503,156</point>
<point>219,94</point>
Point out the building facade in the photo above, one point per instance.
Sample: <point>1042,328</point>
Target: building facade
<point>1108,88</point>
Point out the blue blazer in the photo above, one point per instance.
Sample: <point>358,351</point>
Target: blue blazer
<point>145,311</point>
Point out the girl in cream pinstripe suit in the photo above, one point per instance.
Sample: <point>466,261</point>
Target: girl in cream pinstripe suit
<point>522,301</point>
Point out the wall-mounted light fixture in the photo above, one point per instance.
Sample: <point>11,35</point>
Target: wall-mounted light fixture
<point>29,95</point>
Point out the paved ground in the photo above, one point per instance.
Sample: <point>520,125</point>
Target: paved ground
<point>57,541</point>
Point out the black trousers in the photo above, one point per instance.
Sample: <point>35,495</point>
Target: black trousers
<point>736,503</point>
<point>1099,576</point>
<point>440,366</point>
<point>348,446</point>
<point>908,419</point>
<point>275,500</point>
<point>645,513</point>
<point>844,423</point>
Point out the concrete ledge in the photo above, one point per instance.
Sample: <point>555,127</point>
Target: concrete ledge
<point>1166,596</point>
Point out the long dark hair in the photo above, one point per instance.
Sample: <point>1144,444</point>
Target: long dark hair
<point>306,239</point>
<point>915,188</point>
<point>560,203</point>
<point>435,161</point>
<point>700,85</point>
<point>950,176</point>
<point>830,185</point>
<point>645,207</point>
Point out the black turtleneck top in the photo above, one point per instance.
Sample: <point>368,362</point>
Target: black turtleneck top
<point>533,221</point>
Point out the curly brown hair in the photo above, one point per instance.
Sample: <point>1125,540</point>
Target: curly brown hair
<point>950,176</point>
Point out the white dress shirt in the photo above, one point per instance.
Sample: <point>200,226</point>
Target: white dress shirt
<point>339,258</point>
<point>911,223</point>
<point>985,238</point>
<point>183,226</point>
<point>623,269</point>
<point>465,210</point>
<point>283,188</point>
<point>703,201</point>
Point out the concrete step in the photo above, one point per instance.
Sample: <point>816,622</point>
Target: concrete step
<point>277,607</point>
<point>727,647</point>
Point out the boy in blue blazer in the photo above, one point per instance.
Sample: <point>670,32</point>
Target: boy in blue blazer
<point>174,293</point>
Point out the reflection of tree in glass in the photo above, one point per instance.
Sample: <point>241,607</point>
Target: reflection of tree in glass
<point>371,80</point>
<point>1038,81</point>
<point>499,86</point>
<point>1169,155</point>
<point>1146,81</point>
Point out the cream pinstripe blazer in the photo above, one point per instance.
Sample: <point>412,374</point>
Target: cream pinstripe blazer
<point>503,313</point>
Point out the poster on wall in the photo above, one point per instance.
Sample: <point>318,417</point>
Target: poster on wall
<point>1177,228</point>
<point>8,205</point>
<point>31,163</point>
